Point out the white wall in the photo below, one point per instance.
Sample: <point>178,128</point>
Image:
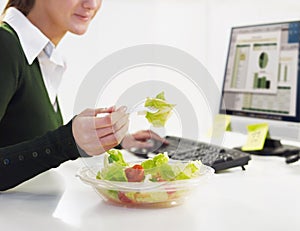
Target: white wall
<point>121,24</point>
<point>199,27</point>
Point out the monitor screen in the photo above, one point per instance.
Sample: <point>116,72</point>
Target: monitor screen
<point>261,81</point>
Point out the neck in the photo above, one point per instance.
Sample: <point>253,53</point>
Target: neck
<point>46,27</point>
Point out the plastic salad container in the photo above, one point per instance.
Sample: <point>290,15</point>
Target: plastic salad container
<point>156,182</point>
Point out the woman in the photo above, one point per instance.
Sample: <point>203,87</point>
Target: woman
<point>32,137</point>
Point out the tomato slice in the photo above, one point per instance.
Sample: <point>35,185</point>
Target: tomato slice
<point>135,173</point>
<point>123,198</point>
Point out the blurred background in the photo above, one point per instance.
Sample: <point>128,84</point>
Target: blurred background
<point>199,27</point>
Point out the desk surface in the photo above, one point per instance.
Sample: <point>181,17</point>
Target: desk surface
<point>264,197</point>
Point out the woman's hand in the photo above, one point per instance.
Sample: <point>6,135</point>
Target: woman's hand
<point>95,135</point>
<point>141,139</point>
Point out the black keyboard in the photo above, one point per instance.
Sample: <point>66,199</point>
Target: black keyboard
<point>215,156</point>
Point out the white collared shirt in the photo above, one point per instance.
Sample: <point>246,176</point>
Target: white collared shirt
<point>36,45</point>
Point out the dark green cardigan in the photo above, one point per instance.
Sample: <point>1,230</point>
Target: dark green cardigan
<point>32,138</point>
<point>25,108</point>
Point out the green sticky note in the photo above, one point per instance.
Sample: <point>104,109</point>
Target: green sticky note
<point>257,134</point>
<point>221,123</point>
<point>227,123</point>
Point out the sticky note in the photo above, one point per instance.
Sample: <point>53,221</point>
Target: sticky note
<point>221,123</point>
<point>257,134</point>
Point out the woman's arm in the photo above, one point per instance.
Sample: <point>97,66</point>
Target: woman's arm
<point>25,160</point>
<point>85,135</point>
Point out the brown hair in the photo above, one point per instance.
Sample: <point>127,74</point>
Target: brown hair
<point>22,5</point>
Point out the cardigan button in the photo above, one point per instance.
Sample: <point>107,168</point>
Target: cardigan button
<point>6,161</point>
<point>35,154</point>
<point>48,151</point>
<point>21,157</point>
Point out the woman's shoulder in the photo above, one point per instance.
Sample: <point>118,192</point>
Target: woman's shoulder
<point>7,35</point>
<point>6,31</point>
<point>9,41</point>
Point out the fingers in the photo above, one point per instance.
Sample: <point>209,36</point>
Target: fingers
<point>148,134</point>
<point>110,119</point>
<point>158,137</point>
<point>101,132</point>
<point>115,138</point>
<point>143,135</point>
<point>110,141</point>
<point>94,112</point>
<point>104,110</point>
<point>96,135</point>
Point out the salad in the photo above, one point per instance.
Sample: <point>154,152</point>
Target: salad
<point>147,182</point>
<point>164,110</point>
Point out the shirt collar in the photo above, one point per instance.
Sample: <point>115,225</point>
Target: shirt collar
<point>32,40</point>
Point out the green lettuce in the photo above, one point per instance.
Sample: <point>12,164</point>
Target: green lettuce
<point>114,165</point>
<point>158,168</point>
<point>164,110</point>
<point>116,156</point>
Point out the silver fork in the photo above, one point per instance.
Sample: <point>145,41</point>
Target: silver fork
<point>140,109</point>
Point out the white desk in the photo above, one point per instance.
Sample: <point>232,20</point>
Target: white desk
<point>264,197</point>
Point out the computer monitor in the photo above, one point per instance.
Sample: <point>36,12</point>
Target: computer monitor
<point>262,82</point>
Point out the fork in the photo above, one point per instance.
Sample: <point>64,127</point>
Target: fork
<point>141,109</point>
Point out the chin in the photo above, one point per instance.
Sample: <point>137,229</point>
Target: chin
<point>79,31</point>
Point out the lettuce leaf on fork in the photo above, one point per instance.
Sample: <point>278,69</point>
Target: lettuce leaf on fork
<point>164,110</point>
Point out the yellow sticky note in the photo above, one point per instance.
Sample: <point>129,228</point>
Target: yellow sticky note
<point>257,134</point>
<point>221,123</point>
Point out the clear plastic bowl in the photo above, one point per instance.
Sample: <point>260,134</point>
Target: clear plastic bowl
<point>144,194</point>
